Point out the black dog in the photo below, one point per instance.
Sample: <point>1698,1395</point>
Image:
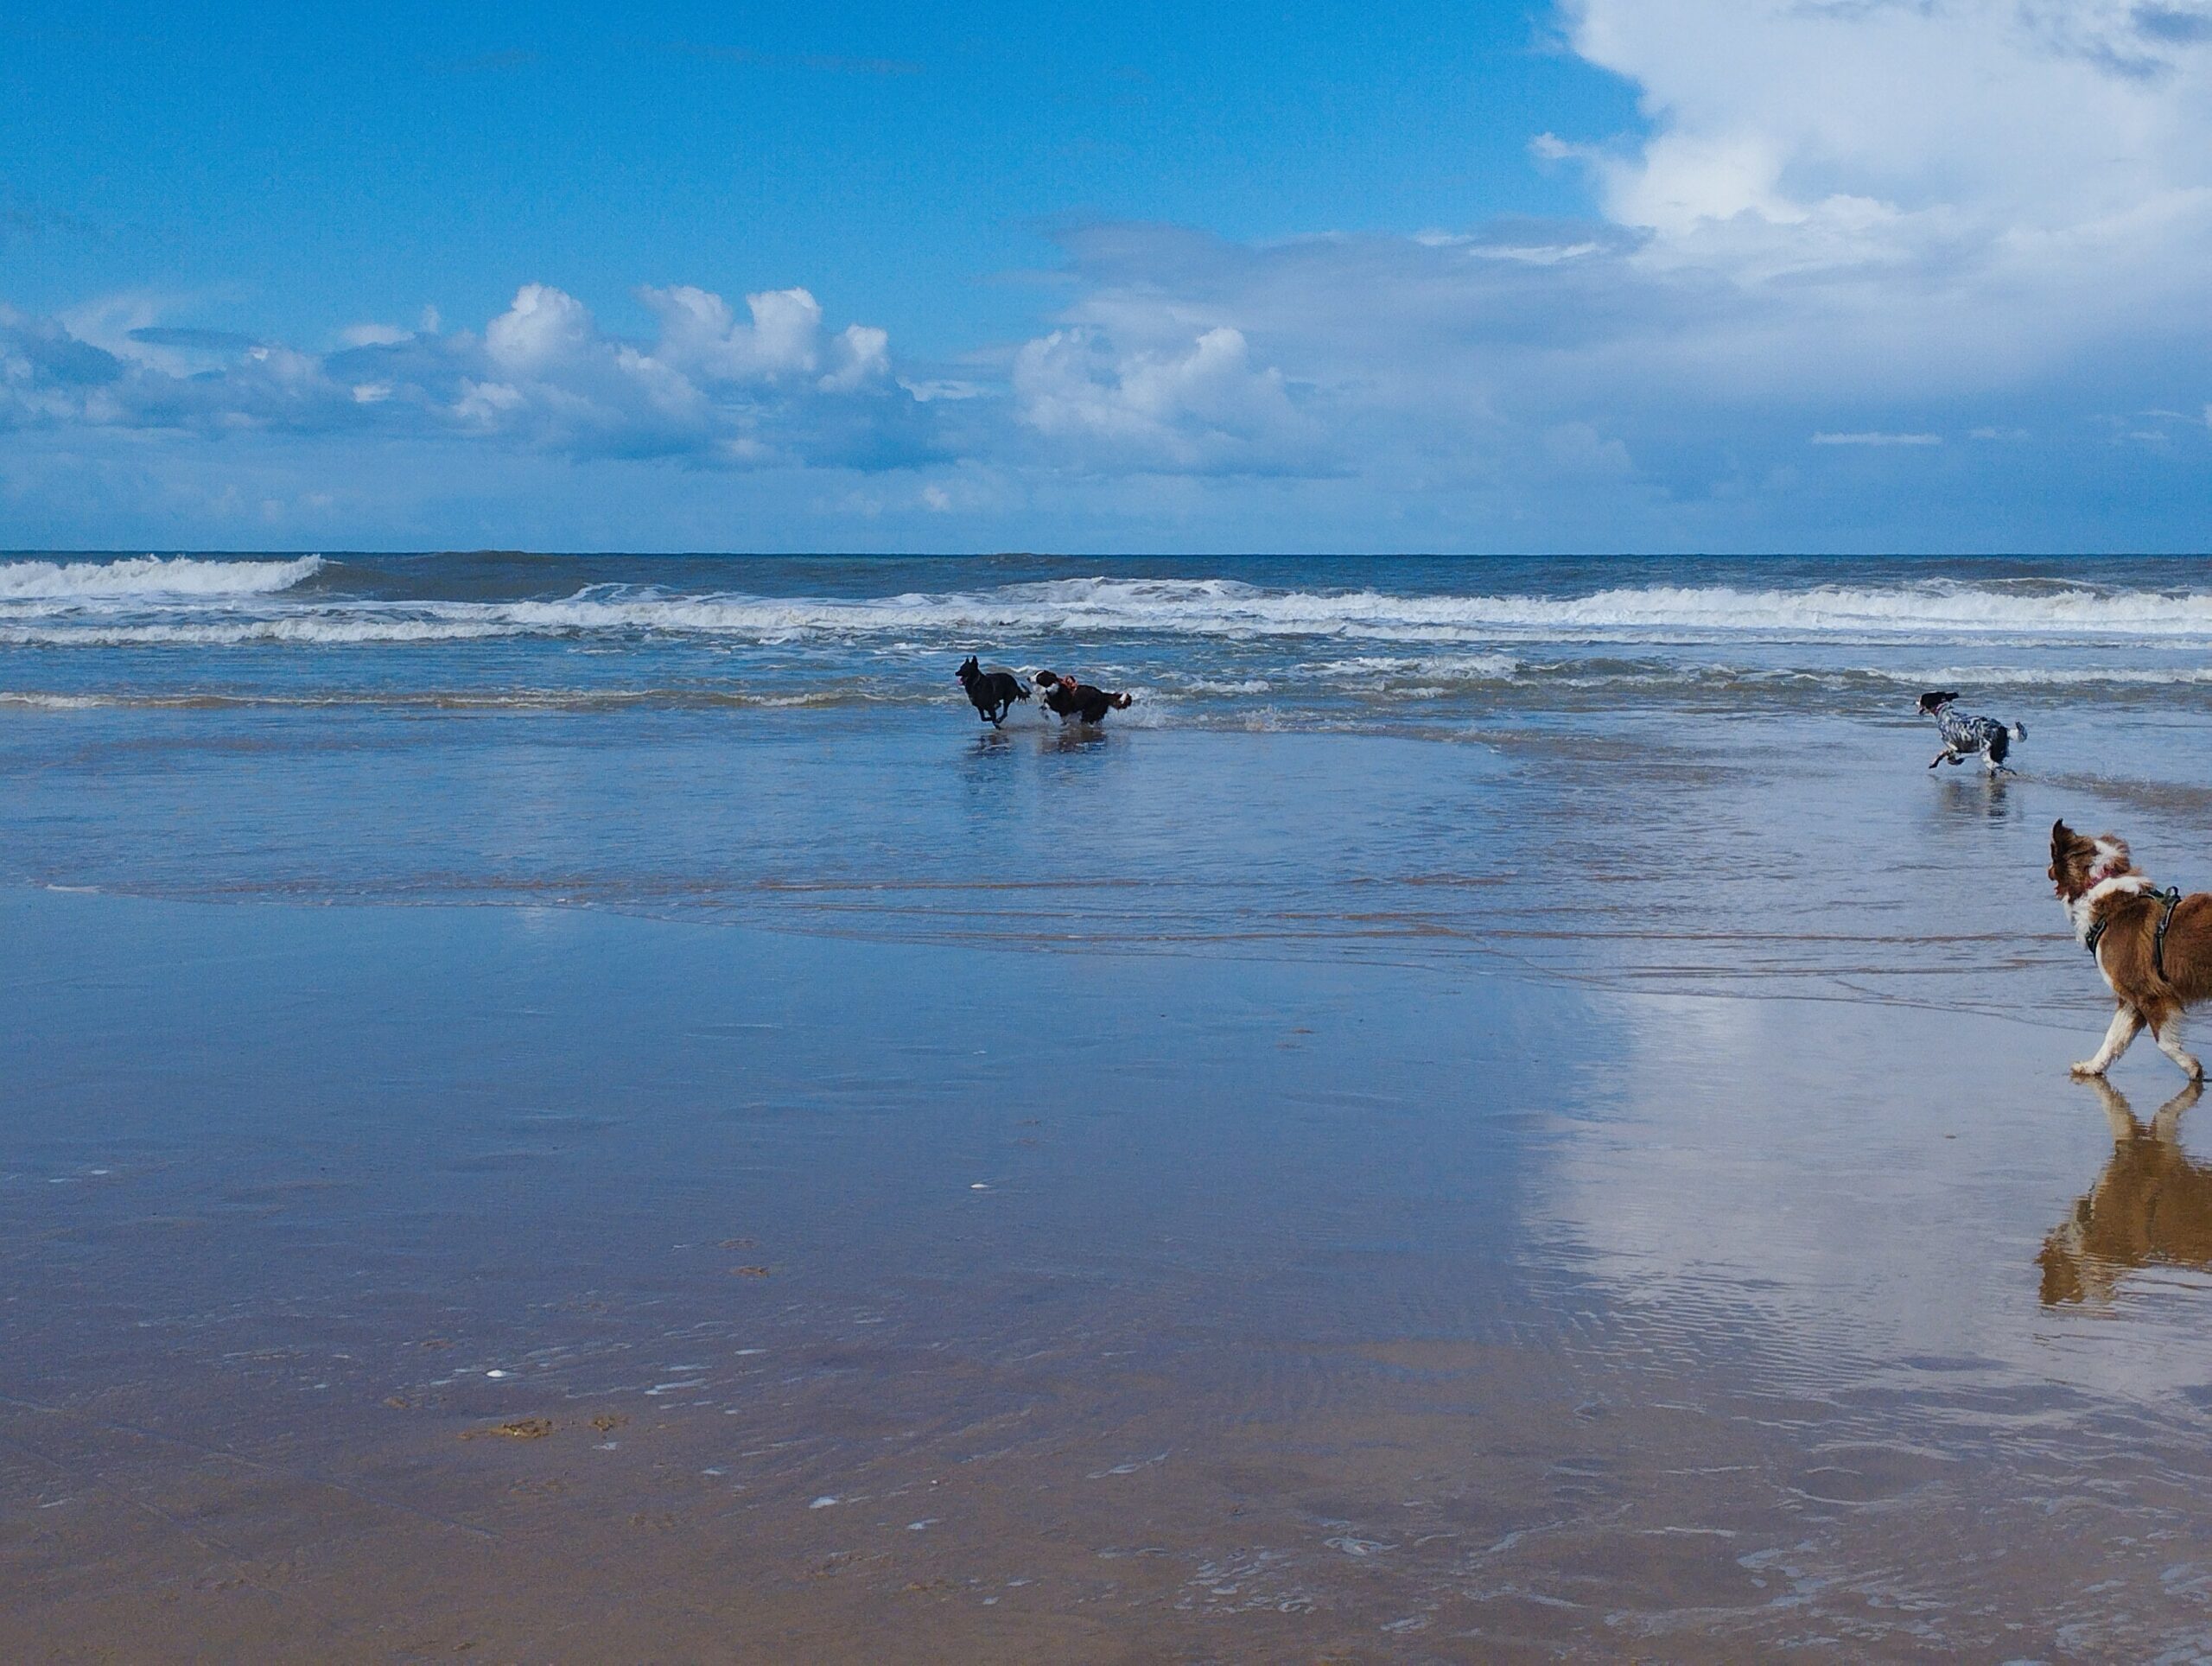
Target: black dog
<point>1079,700</point>
<point>992,693</point>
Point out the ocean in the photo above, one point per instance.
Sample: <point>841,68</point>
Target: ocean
<point>1634,771</point>
<point>587,1107</point>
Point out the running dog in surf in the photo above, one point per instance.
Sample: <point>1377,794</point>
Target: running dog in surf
<point>1080,701</point>
<point>992,693</point>
<point>2154,948</point>
<point>1965,734</point>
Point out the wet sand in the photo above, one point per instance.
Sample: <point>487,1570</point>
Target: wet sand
<point>386,1282</point>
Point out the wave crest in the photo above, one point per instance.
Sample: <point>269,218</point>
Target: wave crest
<point>1227,608</point>
<point>187,600</point>
<point>149,576</point>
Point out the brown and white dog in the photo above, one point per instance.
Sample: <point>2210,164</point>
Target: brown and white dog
<point>2155,951</point>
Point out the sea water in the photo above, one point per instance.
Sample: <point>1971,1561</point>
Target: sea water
<point>1688,771</point>
<point>1307,1162</point>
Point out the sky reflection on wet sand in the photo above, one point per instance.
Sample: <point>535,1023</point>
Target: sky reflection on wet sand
<point>1177,1303</point>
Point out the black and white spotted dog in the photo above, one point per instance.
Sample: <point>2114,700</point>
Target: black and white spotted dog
<point>1964,734</point>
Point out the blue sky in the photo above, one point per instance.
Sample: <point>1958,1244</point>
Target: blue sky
<point>1619,274</point>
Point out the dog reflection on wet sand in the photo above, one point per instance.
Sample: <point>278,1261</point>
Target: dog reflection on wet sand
<point>2152,1206</point>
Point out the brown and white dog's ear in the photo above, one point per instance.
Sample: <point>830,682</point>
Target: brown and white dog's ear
<point>2112,857</point>
<point>2072,858</point>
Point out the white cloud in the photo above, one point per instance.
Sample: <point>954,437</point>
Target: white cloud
<point>1201,406</point>
<point>542,374</point>
<point>544,329</point>
<point>2045,157</point>
<point>861,354</point>
<point>700,333</point>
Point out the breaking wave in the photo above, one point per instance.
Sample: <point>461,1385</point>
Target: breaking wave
<point>182,600</point>
<point>1230,609</point>
<point>318,630</point>
<point>149,576</point>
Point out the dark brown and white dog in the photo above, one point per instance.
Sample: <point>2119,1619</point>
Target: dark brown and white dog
<point>1086,704</point>
<point>2155,951</point>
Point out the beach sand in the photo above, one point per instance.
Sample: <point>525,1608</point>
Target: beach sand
<point>390,1282</point>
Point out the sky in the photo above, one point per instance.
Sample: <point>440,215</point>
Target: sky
<point>1606,275</point>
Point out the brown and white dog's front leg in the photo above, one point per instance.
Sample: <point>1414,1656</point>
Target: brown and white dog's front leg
<point>2125,1023</point>
<point>2168,1036</point>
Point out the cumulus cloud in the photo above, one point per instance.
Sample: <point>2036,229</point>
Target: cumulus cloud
<point>699,332</point>
<point>2051,158</point>
<point>1200,406</point>
<point>709,389</point>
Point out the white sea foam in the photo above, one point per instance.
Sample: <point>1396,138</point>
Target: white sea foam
<point>1222,608</point>
<point>221,604</point>
<point>55,702</point>
<point>151,576</point>
<point>306,630</point>
<point>1227,608</point>
<point>1384,669</point>
<point>1242,685</point>
<point>1990,676</point>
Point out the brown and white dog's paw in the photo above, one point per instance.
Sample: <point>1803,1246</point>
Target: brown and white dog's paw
<point>2087,1070</point>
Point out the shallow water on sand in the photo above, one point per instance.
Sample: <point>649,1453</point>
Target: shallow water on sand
<point>1109,1307</point>
<point>1560,1160</point>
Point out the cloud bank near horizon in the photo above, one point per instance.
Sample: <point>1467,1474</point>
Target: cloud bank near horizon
<point>713,389</point>
<point>1888,259</point>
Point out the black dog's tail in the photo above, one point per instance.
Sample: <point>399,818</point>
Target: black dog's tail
<point>2019,731</point>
